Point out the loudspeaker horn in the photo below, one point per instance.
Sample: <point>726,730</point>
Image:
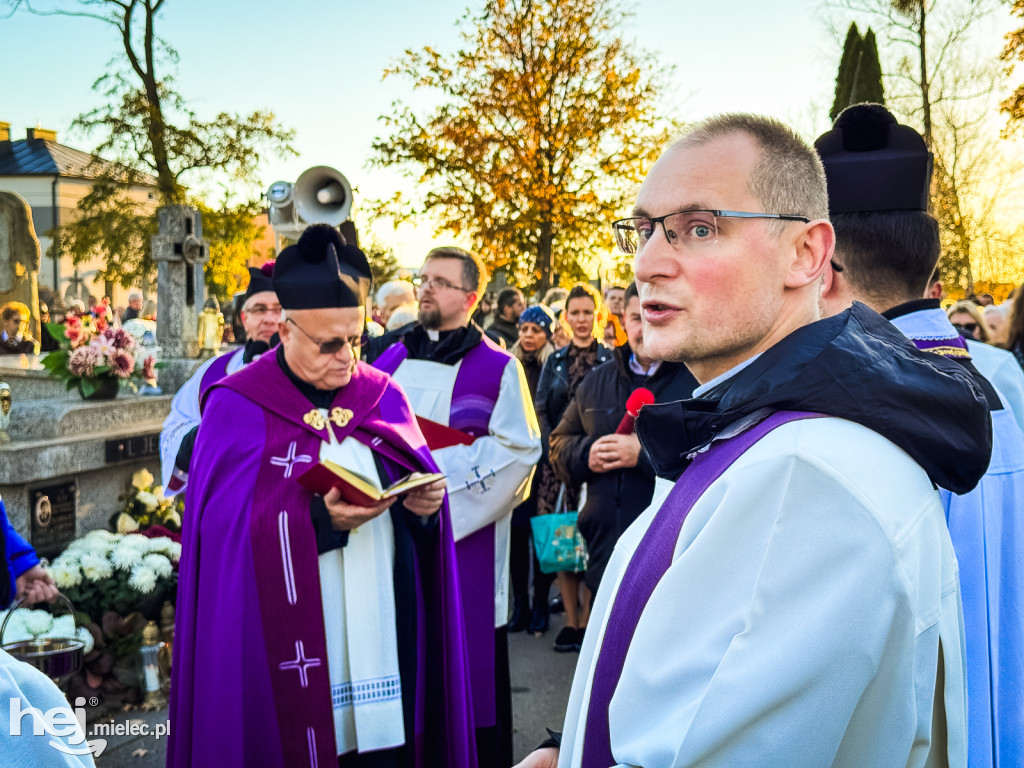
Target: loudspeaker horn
<point>322,196</point>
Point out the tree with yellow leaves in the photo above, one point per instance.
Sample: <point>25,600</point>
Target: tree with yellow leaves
<point>547,120</point>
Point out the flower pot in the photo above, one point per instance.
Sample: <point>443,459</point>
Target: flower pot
<point>107,390</point>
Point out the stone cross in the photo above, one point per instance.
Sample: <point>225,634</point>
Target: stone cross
<point>180,253</point>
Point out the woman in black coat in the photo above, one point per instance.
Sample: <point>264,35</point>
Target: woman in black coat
<point>561,375</point>
<point>585,448</point>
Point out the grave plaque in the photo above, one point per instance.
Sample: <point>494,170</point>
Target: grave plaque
<point>53,511</point>
<point>132,448</point>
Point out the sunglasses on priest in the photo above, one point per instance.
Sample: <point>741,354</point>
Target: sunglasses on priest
<point>332,346</point>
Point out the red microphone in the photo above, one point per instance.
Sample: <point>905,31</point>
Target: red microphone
<point>634,403</point>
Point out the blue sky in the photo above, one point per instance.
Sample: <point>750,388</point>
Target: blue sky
<point>318,66</point>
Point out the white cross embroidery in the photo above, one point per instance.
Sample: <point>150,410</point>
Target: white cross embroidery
<point>301,663</point>
<point>289,461</point>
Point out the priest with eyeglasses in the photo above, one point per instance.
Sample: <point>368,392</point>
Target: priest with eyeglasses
<point>260,314</point>
<point>312,631</point>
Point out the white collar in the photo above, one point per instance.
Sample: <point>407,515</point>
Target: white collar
<point>925,324</point>
<point>724,377</point>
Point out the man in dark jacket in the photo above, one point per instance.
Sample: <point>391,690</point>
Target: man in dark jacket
<point>584,446</point>
<point>505,329</point>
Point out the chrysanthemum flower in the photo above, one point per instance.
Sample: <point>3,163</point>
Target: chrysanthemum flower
<point>122,363</point>
<point>143,579</point>
<point>83,361</point>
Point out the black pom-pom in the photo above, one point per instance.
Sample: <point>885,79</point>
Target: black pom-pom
<point>314,241</point>
<point>865,127</point>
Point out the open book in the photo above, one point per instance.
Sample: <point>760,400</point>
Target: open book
<point>357,489</point>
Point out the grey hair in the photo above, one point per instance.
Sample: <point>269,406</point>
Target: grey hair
<point>396,288</point>
<point>788,178</point>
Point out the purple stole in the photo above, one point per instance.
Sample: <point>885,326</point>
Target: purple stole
<point>474,396</point>
<point>649,562</point>
<point>218,370</point>
<point>954,347</point>
<point>287,575</point>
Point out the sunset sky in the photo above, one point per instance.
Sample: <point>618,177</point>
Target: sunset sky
<point>318,66</point>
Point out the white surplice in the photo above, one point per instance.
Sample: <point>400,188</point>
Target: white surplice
<point>800,621</point>
<point>488,479</point>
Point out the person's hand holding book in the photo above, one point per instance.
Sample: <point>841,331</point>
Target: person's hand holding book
<point>426,499</point>
<point>346,516</point>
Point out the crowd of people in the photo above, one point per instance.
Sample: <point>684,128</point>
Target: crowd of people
<point>802,550</point>
<point>771,575</point>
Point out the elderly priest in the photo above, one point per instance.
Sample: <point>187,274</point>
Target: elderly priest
<point>313,632</point>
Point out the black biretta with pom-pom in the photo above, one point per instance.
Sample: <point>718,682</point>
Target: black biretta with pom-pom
<point>260,280</point>
<point>872,163</point>
<point>321,271</point>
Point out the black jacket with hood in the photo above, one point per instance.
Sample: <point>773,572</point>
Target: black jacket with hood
<point>854,366</point>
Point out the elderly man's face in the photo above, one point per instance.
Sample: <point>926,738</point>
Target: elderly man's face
<point>714,305</point>
<point>260,316</point>
<point>323,371</point>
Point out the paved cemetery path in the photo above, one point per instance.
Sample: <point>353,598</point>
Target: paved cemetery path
<point>540,690</point>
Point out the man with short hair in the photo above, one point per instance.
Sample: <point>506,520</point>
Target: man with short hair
<point>260,314</point>
<point>134,307</point>
<point>887,245</point>
<point>505,328</point>
<point>792,598</point>
<point>312,631</point>
<point>615,300</point>
<point>457,377</point>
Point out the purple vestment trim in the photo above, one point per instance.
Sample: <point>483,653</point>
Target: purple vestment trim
<point>953,347</point>
<point>649,562</point>
<point>218,370</point>
<point>474,396</point>
<point>250,676</point>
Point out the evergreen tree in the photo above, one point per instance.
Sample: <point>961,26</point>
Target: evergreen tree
<point>867,83</point>
<point>847,71</point>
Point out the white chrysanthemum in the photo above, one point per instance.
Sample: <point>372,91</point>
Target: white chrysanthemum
<point>37,622</point>
<point>15,622</point>
<point>95,567</point>
<point>65,575</point>
<point>100,539</point>
<point>63,626</point>
<point>69,558</point>
<point>86,637</point>
<point>142,580</point>
<point>162,545</point>
<point>159,564</point>
<point>16,634</point>
<point>125,557</point>
<point>148,500</point>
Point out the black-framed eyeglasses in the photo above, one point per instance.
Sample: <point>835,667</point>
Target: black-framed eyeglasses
<point>440,282</point>
<point>683,229</point>
<point>332,346</point>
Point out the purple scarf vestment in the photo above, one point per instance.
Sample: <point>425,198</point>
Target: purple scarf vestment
<point>474,395</point>
<point>651,559</point>
<point>250,680</point>
<point>217,370</point>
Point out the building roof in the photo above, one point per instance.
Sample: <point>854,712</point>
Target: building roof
<point>41,157</point>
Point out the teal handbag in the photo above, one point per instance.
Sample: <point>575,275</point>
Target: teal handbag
<point>557,540</point>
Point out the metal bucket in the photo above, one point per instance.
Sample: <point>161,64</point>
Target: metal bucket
<point>56,657</point>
